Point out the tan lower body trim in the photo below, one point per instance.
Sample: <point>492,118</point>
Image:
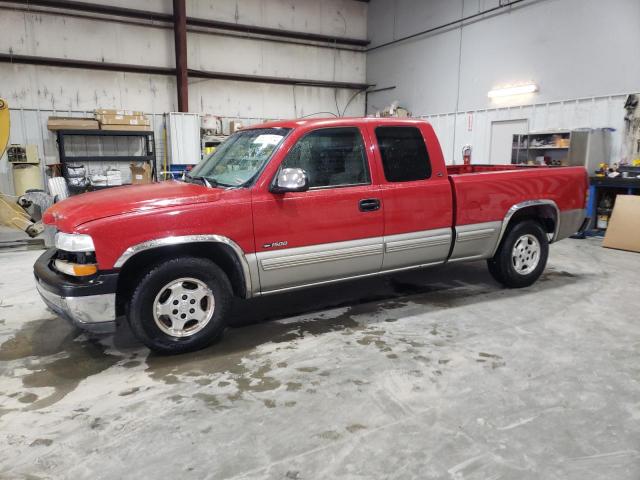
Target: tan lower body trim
<point>476,241</point>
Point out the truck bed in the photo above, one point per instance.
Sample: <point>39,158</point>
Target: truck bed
<point>488,195</point>
<point>484,194</point>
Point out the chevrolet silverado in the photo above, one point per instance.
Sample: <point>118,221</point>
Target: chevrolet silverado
<point>293,204</point>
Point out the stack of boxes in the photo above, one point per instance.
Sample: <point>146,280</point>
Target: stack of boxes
<point>71,123</point>
<point>105,119</point>
<point>122,120</point>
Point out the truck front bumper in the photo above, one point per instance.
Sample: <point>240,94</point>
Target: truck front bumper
<point>87,304</point>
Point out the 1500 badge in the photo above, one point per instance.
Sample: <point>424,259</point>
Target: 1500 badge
<point>275,245</point>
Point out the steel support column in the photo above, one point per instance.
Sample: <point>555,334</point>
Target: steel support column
<point>180,34</point>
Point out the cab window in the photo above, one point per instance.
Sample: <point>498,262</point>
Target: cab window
<point>332,157</point>
<point>404,154</point>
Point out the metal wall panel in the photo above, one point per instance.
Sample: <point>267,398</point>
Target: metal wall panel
<point>566,47</point>
<point>183,135</point>
<point>36,92</point>
<point>57,35</point>
<point>595,112</point>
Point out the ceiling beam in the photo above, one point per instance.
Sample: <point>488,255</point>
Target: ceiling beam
<point>170,71</point>
<point>191,21</point>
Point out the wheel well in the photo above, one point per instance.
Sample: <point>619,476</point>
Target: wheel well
<point>221,254</point>
<point>546,215</point>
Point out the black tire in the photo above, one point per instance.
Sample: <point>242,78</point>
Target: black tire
<point>502,267</point>
<point>141,306</point>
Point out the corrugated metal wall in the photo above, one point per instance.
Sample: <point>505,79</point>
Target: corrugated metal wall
<point>36,92</point>
<point>474,128</point>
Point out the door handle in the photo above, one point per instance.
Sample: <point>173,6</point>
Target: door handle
<point>369,205</point>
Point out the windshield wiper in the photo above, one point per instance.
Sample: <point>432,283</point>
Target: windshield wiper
<point>205,181</point>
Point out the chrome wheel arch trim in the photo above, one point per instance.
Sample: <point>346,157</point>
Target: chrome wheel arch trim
<point>527,204</point>
<point>186,239</point>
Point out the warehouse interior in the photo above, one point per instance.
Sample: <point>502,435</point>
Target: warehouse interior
<point>116,120</point>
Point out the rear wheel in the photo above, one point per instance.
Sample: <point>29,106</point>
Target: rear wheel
<point>180,305</point>
<point>522,255</point>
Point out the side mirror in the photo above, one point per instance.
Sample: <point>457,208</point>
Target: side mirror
<point>291,180</point>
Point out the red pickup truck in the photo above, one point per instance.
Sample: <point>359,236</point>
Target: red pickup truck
<point>293,204</point>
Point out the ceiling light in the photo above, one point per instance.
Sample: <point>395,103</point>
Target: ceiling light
<point>513,90</point>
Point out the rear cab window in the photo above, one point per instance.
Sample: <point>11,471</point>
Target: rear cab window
<point>403,152</point>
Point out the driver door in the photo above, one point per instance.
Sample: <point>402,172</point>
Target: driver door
<point>333,230</point>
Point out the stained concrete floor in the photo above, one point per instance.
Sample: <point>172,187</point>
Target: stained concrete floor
<point>431,374</point>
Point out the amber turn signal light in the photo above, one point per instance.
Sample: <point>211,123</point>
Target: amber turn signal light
<point>84,270</point>
<point>76,269</point>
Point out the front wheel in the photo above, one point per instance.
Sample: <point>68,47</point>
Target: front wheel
<point>522,255</point>
<point>180,305</point>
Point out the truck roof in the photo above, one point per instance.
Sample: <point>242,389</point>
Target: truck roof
<point>334,122</point>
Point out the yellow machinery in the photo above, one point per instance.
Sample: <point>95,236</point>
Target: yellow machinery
<point>4,125</point>
<point>11,214</point>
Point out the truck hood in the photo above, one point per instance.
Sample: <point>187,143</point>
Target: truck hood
<point>75,211</point>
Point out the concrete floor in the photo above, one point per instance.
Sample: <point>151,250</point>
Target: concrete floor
<point>431,374</point>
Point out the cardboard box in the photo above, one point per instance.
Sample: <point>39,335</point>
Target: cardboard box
<point>108,119</point>
<point>623,232</point>
<point>70,123</point>
<point>114,177</point>
<point>110,111</point>
<point>234,126</point>
<point>141,173</point>
<point>132,128</point>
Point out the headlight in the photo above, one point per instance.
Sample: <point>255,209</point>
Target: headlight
<point>74,242</point>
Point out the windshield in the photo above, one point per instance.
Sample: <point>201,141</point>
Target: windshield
<point>238,160</point>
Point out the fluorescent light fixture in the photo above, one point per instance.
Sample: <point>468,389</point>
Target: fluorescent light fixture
<point>513,90</point>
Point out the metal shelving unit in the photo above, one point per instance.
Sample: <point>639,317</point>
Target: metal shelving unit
<point>581,147</point>
<point>148,148</point>
<point>539,144</point>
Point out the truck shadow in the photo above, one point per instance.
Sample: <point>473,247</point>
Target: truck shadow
<point>440,287</point>
<point>273,318</point>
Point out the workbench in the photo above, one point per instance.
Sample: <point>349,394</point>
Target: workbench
<point>624,186</point>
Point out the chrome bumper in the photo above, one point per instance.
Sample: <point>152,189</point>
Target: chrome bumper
<point>95,313</point>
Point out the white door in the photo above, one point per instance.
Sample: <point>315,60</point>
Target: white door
<point>502,133</point>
